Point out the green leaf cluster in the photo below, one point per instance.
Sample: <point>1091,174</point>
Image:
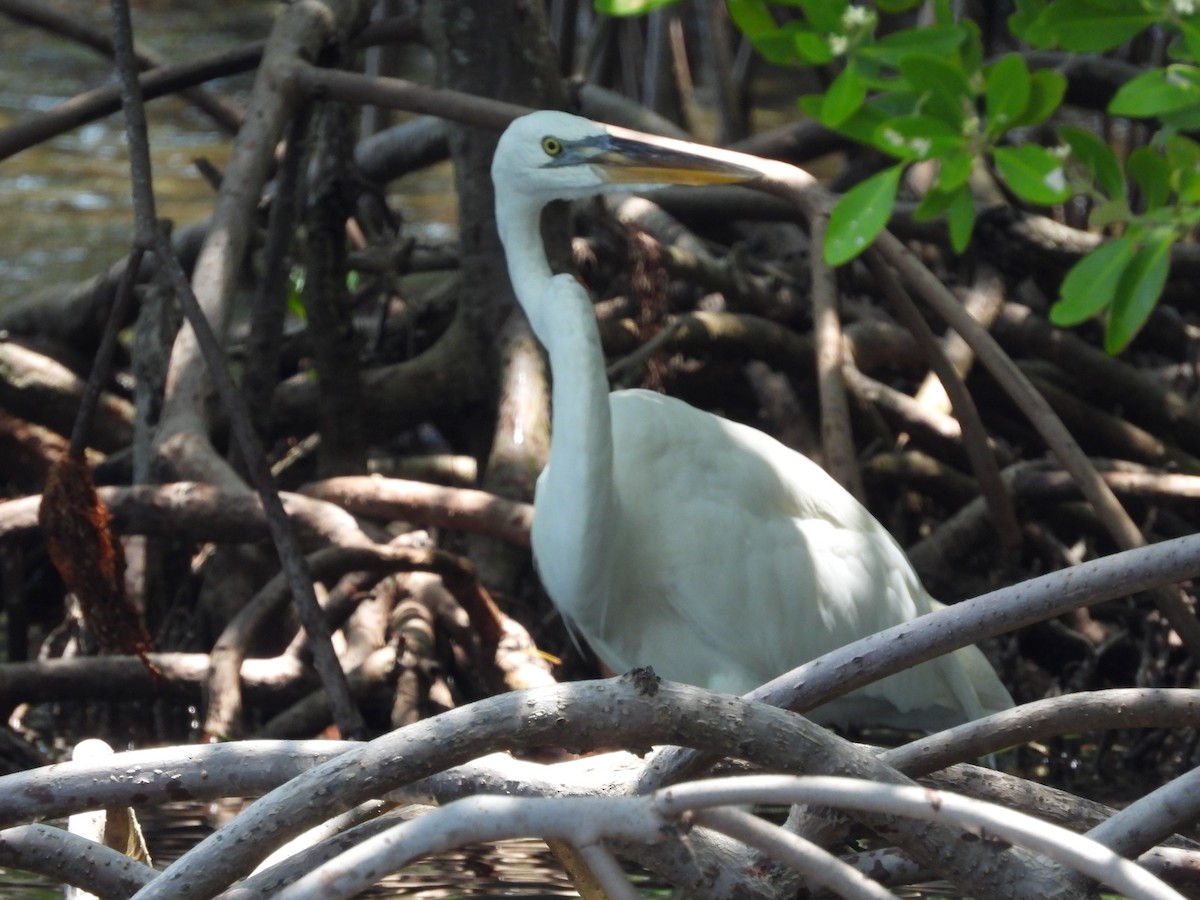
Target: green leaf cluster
<point>927,95</point>
<point>1096,26</point>
<point>915,94</point>
<point>1151,199</point>
<point>1123,277</point>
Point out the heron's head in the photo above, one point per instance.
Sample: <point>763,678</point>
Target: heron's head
<point>557,156</point>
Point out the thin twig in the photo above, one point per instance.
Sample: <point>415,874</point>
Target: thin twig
<point>608,872</point>
<point>268,310</point>
<point>837,437</point>
<point>397,93</point>
<point>94,388</point>
<point>974,435</point>
<point>641,356</point>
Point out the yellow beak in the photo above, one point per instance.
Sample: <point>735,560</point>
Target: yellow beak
<point>629,157</point>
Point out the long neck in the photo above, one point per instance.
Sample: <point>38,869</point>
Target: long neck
<point>518,220</point>
<point>575,491</point>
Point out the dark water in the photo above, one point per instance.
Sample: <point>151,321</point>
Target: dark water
<point>522,868</point>
<point>71,195</point>
<point>68,213</point>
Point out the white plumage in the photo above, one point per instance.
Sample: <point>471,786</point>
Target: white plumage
<point>674,538</point>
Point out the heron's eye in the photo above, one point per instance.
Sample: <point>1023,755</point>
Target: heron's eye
<point>552,146</point>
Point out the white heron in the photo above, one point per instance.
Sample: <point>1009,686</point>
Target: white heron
<point>674,538</point>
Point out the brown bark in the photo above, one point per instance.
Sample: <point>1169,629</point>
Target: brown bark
<point>198,512</point>
<point>120,678</point>
<point>37,388</point>
<point>392,499</point>
<point>300,31</point>
<point>336,344</point>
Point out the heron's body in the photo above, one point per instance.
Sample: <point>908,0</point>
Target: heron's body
<point>673,538</point>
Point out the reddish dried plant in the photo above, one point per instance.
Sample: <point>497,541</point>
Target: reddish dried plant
<point>89,559</point>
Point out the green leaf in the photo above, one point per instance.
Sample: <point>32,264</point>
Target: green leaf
<point>1109,212</point>
<point>943,12</point>
<point>1007,87</point>
<point>1152,176</point>
<point>959,207</point>
<point>777,48</point>
<point>934,40</point>
<point>942,80</point>
<point>1181,152</point>
<point>844,97</point>
<point>810,47</point>
<point>932,205</point>
<point>1191,38</point>
<point>751,17</point>
<point>1088,26</point>
<point>1096,158</point>
<point>1033,172</point>
<point>1091,284</point>
<point>1183,162</point>
<point>961,219</point>
<point>860,126</point>
<point>825,15</point>
<point>917,137</point>
<point>1186,119</point>
<point>937,74</point>
<point>953,171</point>
<point>1138,291</point>
<point>295,293</point>
<point>754,20</point>
<point>860,215</point>
<point>1158,92</point>
<point>1026,15</point>
<point>630,7</point>
<point>1046,90</point>
<point>971,50</point>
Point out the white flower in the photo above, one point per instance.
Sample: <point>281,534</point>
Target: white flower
<point>855,17</point>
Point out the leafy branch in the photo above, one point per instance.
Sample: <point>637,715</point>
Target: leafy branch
<point>928,95</point>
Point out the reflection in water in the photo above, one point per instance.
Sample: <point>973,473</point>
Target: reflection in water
<point>21,886</point>
<point>511,869</point>
<point>71,195</point>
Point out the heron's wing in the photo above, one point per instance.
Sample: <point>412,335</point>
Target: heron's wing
<point>812,570</point>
